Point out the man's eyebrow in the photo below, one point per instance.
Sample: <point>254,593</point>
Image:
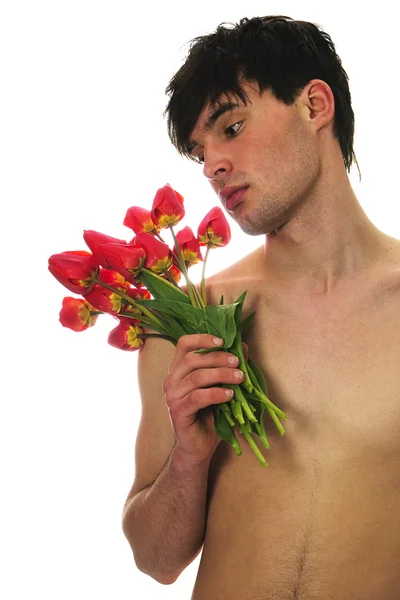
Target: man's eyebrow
<point>216,112</point>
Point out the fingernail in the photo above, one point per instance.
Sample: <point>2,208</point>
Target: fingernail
<point>238,374</point>
<point>233,360</point>
<point>218,341</point>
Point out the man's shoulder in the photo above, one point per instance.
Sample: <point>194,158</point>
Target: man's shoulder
<point>235,278</point>
<point>248,265</point>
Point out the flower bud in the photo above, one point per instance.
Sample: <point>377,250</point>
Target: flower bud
<point>167,207</point>
<point>214,229</point>
<point>75,269</point>
<point>95,241</point>
<point>113,278</point>
<point>158,254</point>
<point>135,294</point>
<point>104,300</point>
<point>77,314</point>
<point>127,259</point>
<point>189,245</point>
<point>139,219</point>
<point>124,336</point>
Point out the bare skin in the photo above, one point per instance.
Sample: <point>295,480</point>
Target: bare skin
<point>323,521</point>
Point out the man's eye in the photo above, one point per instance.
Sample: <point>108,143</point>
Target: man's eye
<point>232,130</point>
<point>200,159</point>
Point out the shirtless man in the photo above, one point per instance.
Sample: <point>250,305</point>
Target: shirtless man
<point>323,521</point>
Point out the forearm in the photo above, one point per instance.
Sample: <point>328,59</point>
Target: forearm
<point>165,523</point>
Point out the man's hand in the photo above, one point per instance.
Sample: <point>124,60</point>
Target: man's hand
<point>191,388</point>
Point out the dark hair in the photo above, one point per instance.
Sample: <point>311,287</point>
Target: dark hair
<point>278,53</point>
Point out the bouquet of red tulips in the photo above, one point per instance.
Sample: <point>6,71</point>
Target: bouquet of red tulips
<point>137,283</point>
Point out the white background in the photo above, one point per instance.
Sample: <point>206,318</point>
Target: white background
<point>82,139</point>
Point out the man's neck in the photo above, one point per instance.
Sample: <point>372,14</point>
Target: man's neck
<point>329,241</point>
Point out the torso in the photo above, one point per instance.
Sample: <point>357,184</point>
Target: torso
<point>322,522</point>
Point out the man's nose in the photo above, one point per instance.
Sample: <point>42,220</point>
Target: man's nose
<point>215,165</point>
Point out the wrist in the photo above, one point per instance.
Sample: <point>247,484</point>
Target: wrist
<point>182,460</point>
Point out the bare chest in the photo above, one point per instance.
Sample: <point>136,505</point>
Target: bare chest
<point>333,368</point>
<point>324,519</point>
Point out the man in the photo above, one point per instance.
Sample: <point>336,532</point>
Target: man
<point>265,107</point>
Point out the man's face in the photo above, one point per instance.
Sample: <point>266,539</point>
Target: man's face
<point>266,149</point>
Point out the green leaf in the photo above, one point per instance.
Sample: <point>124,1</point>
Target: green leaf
<point>205,318</point>
<point>241,298</point>
<point>222,300</point>
<point>255,372</point>
<point>224,430</point>
<point>216,320</point>
<point>238,314</point>
<point>258,427</point>
<point>162,288</point>
<point>187,314</point>
<point>245,323</point>
<point>173,329</point>
<point>222,319</point>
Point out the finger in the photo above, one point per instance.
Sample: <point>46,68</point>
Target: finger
<point>190,343</point>
<point>206,378</point>
<point>199,399</point>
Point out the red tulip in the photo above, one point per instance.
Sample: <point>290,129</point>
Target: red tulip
<point>141,294</point>
<point>167,207</point>
<point>113,278</point>
<point>135,294</point>
<point>214,229</point>
<point>95,241</point>
<point>127,259</point>
<point>158,254</point>
<point>124,336</point>
<point>175,273</point>
<point>77,314</point>
<point>104,300</point>
<point>189,246</point>
<point>75,269</point>
<point>139,219</point>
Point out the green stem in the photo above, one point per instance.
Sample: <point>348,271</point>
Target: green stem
<point>237,349</point>
<point>243,401</point>
<point>261,433</point>
<point>198,296</point>
<point>236,409</point>
<point>130,301</point>
<point>203,281</point>
<point>156,335</point>
<point>269,405</point>
<point>243,429</point>
<point>143,320</point>
<point>228,415</point>
<point>277,422</point>
<point>159,236</point>
<point>170,278</point>
<point>192,296</point>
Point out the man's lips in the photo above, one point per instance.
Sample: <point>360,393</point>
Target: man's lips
<point>233,195</point>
